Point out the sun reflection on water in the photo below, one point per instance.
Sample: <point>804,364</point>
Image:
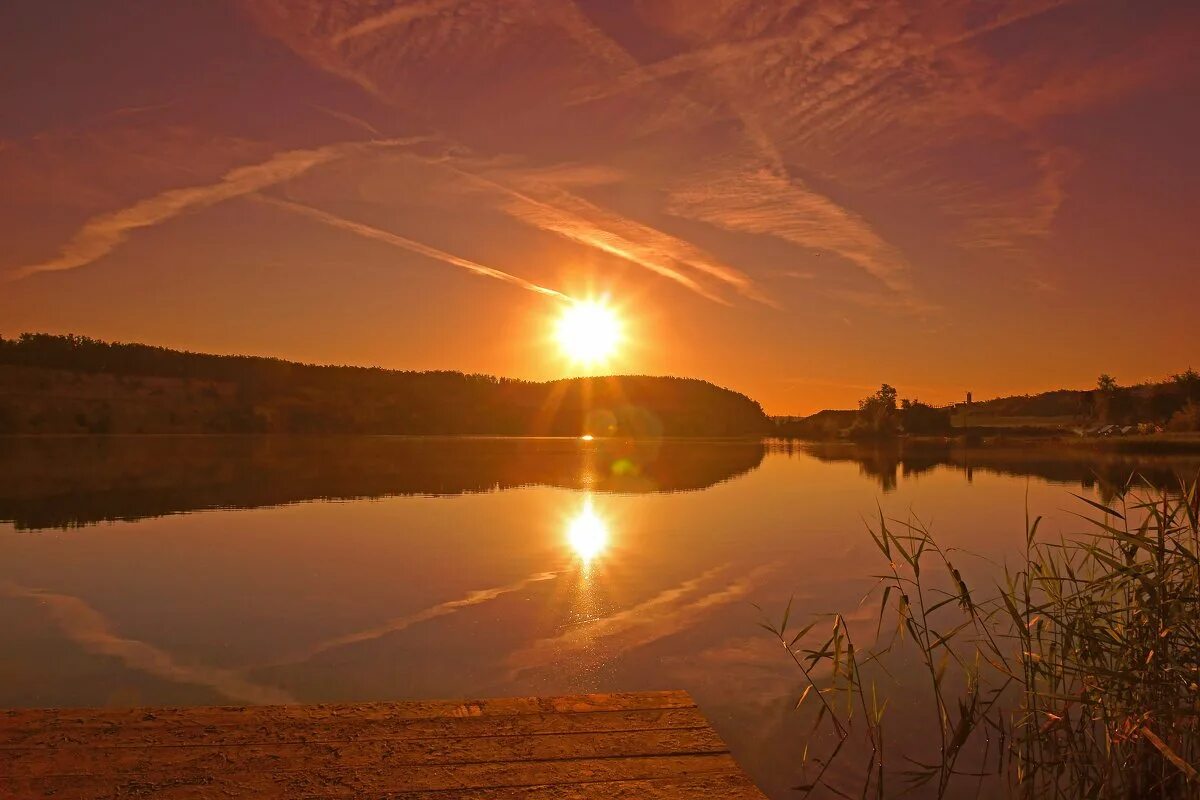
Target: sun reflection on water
<point>587,533</point>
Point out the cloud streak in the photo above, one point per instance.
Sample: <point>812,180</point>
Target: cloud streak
<point>762,202</point>
<point>666,613</point>
<point>86,627</point>
<point>529,197</point>
<point>102,234</point>
<point>398,624</point>
<point>369,232</point>
<point>400,15</point>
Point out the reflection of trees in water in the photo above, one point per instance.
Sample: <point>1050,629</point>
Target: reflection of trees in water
<point>888,462</point>
<point>64,482</point>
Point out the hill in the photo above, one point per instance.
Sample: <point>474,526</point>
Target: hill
<point>74,384</point>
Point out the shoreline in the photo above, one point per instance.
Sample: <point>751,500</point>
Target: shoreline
<point>1149,444</point>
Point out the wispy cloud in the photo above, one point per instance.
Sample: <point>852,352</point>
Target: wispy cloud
<point>398,624</point>
<point>102,234</point>
<point>369,232</point>
<point>400,15</point>
<point>668,612</point>
<point>763,202</point>
<point>534,198</point>
<point>699,60</point>
<point>349,119</point>
<point>87,628</point>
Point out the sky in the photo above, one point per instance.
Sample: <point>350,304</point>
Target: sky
<point>797,199</point>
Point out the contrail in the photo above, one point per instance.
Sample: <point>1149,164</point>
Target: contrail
<point>102,234</point>
<point>397,16</point>
<point>369,232</point>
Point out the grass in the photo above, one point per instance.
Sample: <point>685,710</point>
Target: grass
<point>982,419</point>
<point>1074,676</point>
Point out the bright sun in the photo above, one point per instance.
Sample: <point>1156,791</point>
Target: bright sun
<point>589,332</point>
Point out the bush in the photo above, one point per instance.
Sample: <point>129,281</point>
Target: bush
<point>1186,418</point>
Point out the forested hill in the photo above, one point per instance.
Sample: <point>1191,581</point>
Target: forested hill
<point>74,384</point>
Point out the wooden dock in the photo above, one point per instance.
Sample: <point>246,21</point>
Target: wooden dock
<point>648,746</point>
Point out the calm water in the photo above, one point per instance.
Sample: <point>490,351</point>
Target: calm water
<point>175,571</point>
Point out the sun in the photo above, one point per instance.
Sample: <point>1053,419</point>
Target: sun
<point>589,332</point>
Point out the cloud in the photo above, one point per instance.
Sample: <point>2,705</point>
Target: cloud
<point>762,202</point>
<point>866,95</point>
<point>349,119</point>
<point>535,198</point>
<point>846,120</point>
<point>400,15</point>
<point>433,612</point>
<point>411,245</point>
<point>85,626</point>
<point>699,60</point>
<point>666,613</point>
<point>102,234</point>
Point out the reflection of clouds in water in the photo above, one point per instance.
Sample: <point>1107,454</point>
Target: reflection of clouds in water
<point>749,687</point>
<point>87,628</point>
<point>594,637</point>
<point>433,612</point>
<point>666,613</point>
<point>752,670</point>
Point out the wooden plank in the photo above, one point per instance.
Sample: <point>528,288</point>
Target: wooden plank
<point>649,746</point>
<point>420,709</point>
<point>724,787</point>
<point>355,783</point>
<point>336,727</point>
<point>393,752</point>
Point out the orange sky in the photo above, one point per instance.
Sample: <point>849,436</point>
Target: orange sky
<point>797,200</point>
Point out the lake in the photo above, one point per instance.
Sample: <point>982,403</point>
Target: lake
<point>210,570</point>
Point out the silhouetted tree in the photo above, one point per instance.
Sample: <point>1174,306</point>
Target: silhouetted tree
<point>876,414</point>
<point>1186,418</point>
<point>919,418</point>
<point>1188,383</point>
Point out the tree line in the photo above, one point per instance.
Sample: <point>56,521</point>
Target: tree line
<point>1173,404</point>
<point>77,384</point>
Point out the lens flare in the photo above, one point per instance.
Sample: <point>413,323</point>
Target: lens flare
<point>587,533</point>
<point>589,332</point>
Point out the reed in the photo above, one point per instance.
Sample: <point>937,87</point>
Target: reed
<point>1075,675</point>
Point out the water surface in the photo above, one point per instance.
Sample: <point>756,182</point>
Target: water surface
<point>208,570</point>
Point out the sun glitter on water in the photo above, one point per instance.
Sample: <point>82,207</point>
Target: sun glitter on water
<point>589,332</point>
<point>587,533</point>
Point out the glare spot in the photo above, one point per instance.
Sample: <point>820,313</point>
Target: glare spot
<point>587,533</point>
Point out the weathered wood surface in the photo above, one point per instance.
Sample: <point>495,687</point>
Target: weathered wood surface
<point>650,746</point>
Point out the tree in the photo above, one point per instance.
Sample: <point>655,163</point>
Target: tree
<point>917,417</point>
<point>1186,418</point>
<point>1111,403</point>
<point>877,413</point>
<point>1188,382</point>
